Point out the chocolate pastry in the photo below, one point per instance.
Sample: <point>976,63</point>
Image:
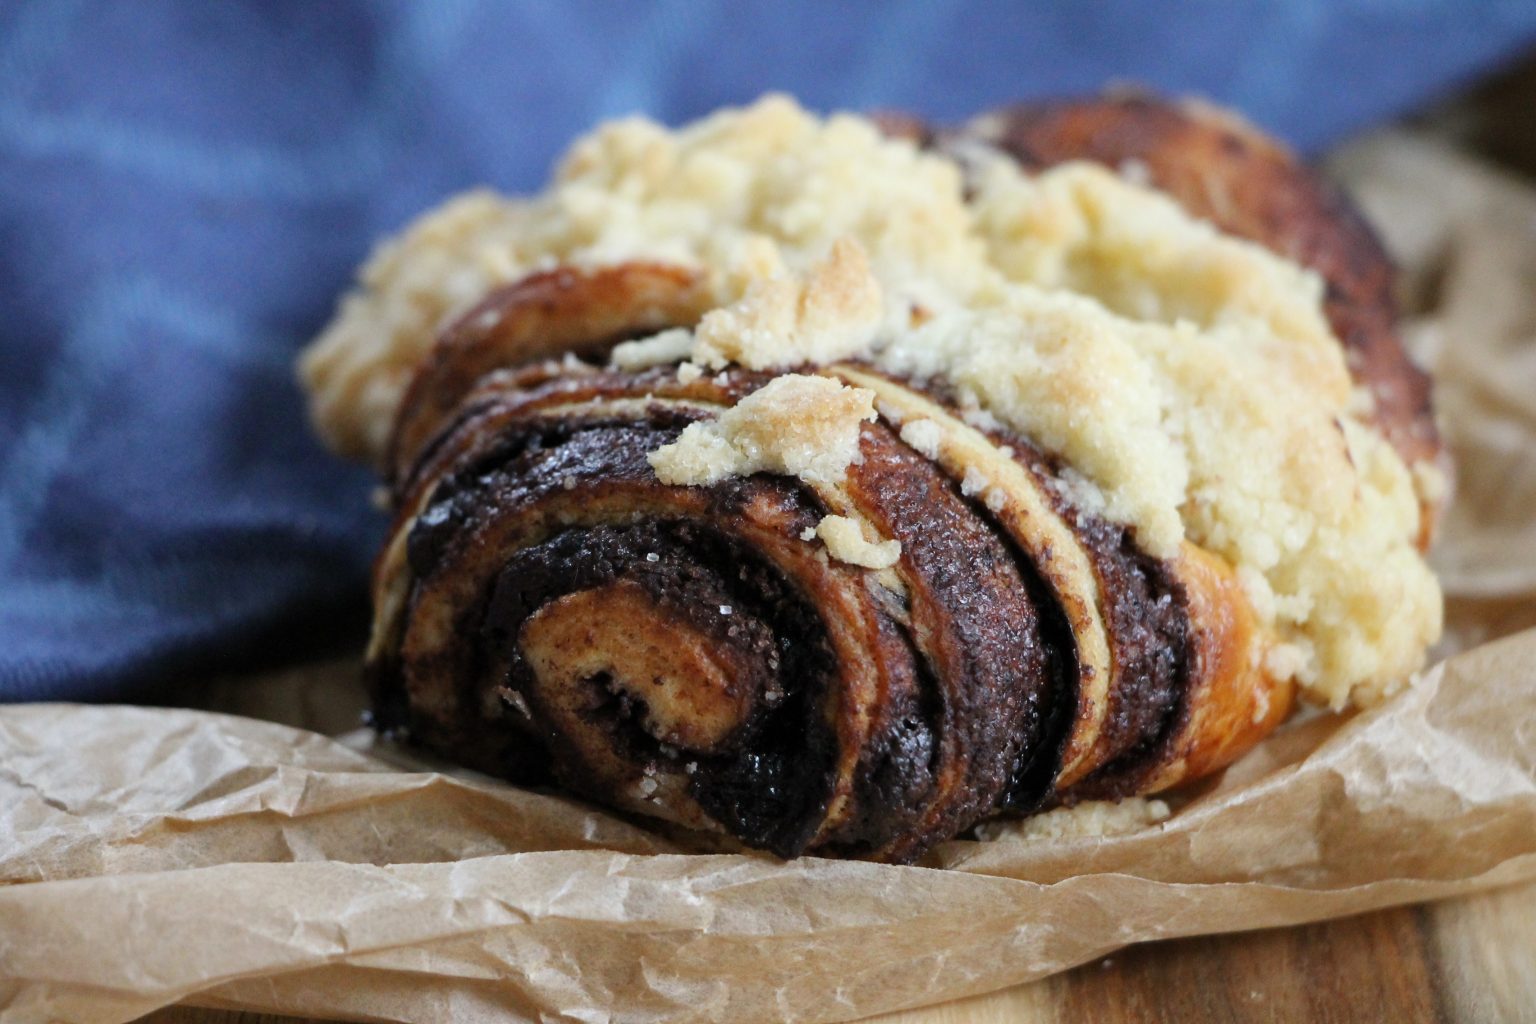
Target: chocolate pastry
<point>836,484</point>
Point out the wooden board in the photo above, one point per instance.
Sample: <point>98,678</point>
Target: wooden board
<point>1468,961</point>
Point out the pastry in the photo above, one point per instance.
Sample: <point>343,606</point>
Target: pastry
<point>836,484</point>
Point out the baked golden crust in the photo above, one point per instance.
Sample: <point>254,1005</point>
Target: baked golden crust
<point>541,316</point>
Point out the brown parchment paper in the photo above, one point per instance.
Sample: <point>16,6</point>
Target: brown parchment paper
<point>157,856</point>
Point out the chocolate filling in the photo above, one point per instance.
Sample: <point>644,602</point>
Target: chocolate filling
<point>771,787</point>
<point>1148,620</point>
<point>973,619</point>
<point>973,679</point>
<point>768,785</point>
<point>1146,615</point>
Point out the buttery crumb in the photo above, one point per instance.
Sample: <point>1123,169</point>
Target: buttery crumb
<point>1431,482</point>
<point>795,425</point>
<point>974,482</point>
<point>923,437</point>
<point>846,542</point>
<point>829,314</point>
<point>1093,819</point>
<point>669,346</point>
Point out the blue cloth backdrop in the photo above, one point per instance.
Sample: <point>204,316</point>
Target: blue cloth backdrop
<point>186,187</point>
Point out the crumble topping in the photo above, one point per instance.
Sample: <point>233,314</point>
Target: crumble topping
<point>796,425</point>
<point>1187,379</point>
<point>846,542</point>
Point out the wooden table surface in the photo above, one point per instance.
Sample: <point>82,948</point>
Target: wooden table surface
<point>1469,961</point>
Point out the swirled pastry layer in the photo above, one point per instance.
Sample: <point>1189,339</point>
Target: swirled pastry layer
<point>836,485</point>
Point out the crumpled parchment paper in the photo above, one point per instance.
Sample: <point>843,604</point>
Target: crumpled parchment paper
<point>156,856</point>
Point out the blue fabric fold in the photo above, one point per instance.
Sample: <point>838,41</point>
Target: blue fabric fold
<point>185,188</point>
